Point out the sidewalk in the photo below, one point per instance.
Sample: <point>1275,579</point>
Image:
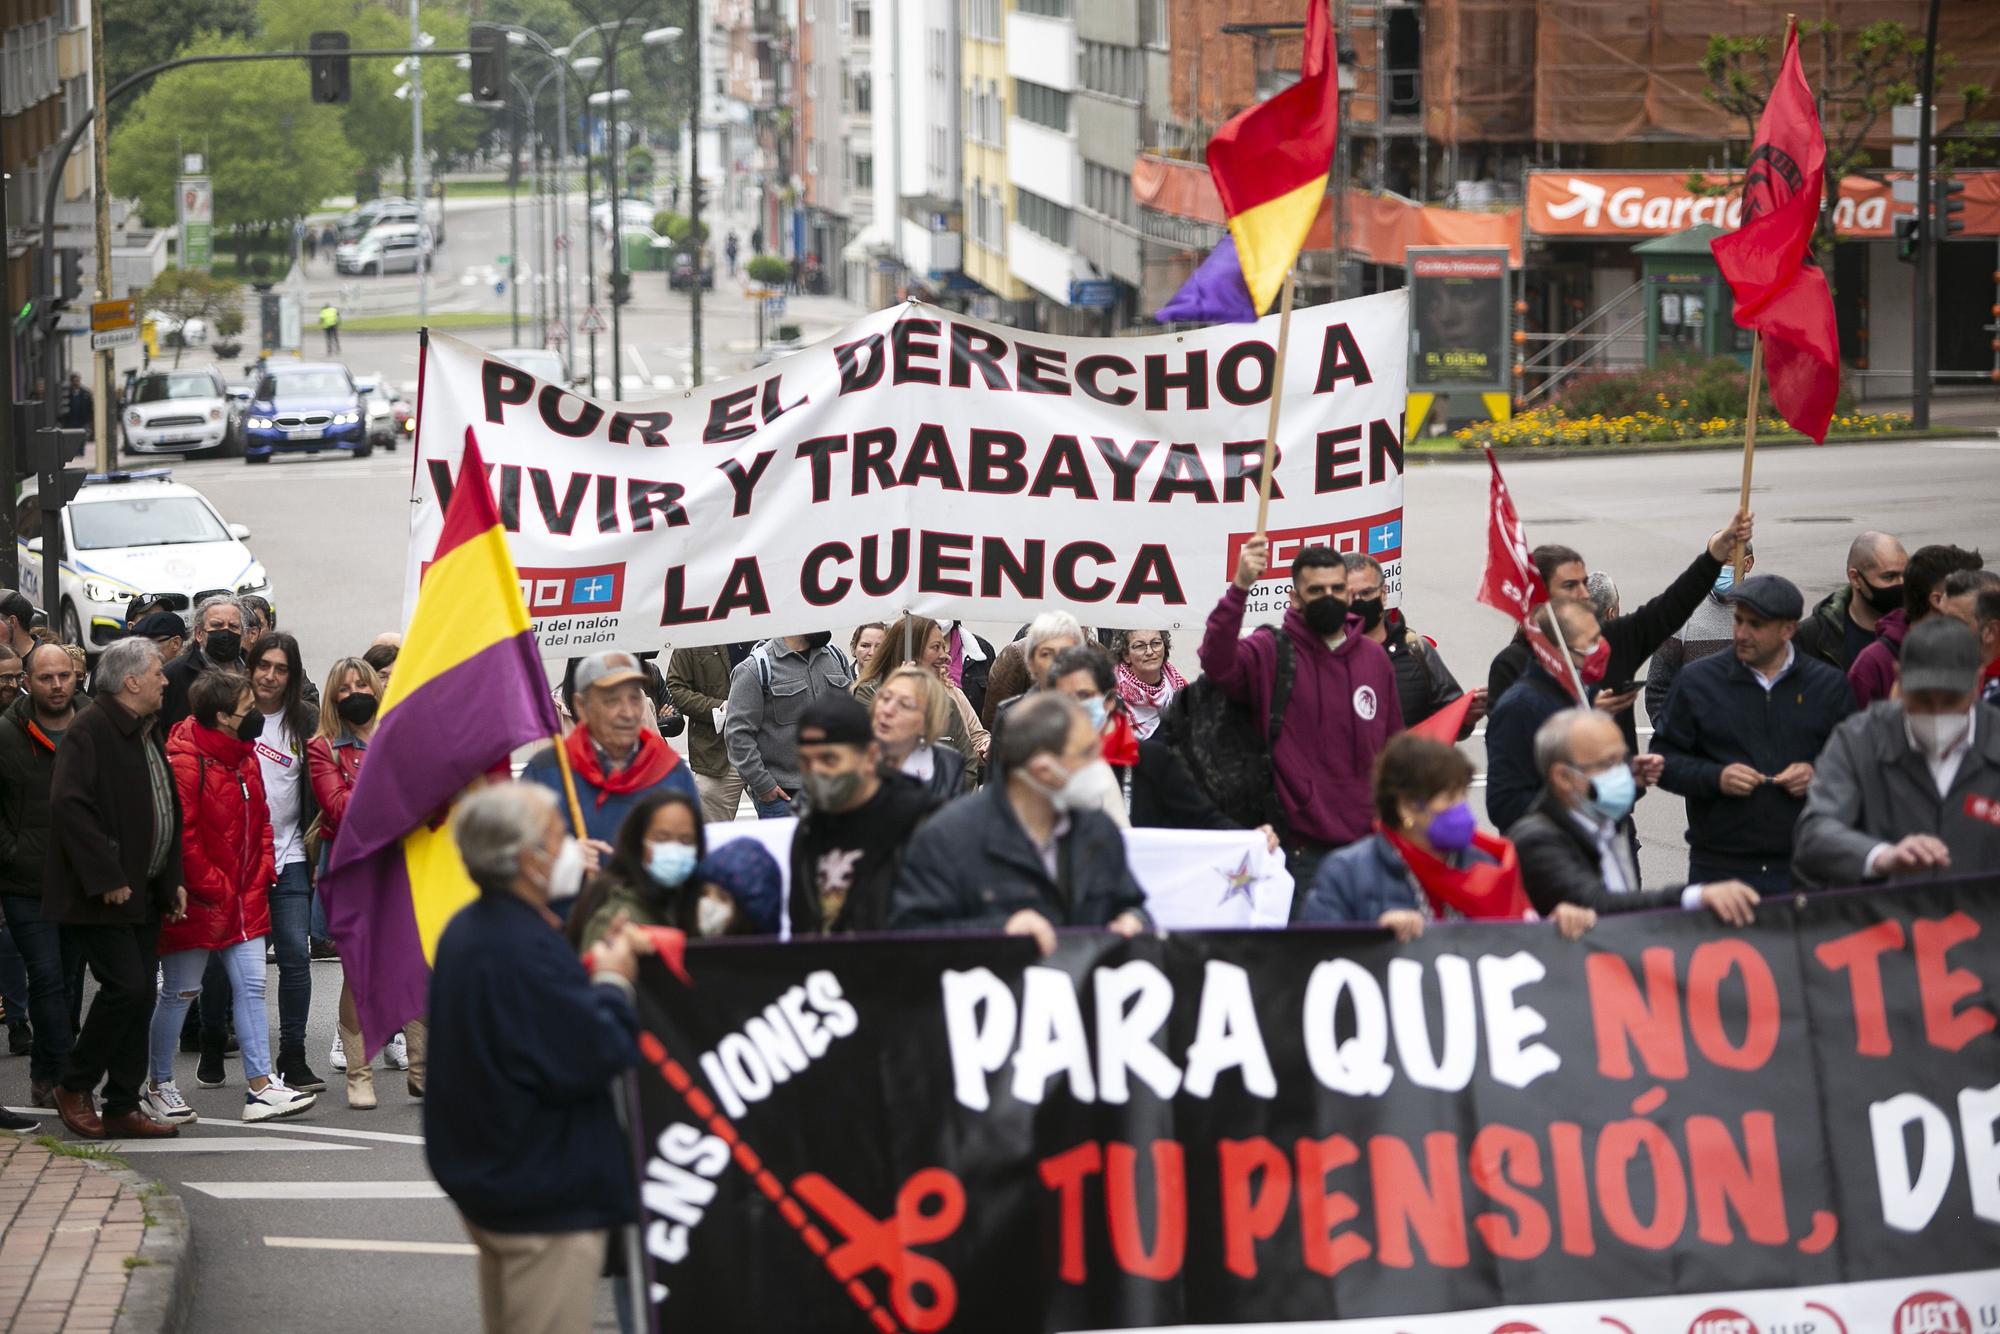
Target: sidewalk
<point>84,1246</point>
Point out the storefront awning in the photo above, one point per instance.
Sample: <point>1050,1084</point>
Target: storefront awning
<point>1631,205</point>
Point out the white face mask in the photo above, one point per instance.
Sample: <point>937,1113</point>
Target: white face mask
<point>712,916</point>
<point>1936,733</point>
<point>1089,788</point>
<point>566,872</point>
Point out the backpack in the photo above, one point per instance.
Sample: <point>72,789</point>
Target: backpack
<point>1228,755</point>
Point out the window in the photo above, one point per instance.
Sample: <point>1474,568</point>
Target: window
<point>1153,23</point>
<point>1054,9</point>
<point>864,94</point>
<point>1108,192</point>
<point>1111,70</point>
<point>864,172</point>
<point>1043,217</point>
<point>1042,105</point>
<point>864,23</point>
<point>981,19</point>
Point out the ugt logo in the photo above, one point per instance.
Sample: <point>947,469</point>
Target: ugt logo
<point>1770,178</point>
<point>1931,1313</point>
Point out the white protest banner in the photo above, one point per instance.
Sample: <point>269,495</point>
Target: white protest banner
<point>924,461</point>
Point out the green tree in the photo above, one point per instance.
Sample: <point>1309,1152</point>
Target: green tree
<point>190,294</point>
<point>273,153</point>
<point>138,33</point>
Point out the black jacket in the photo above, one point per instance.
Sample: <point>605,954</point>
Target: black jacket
<point>1423,683</point>
<point>1161,793</point>
<point>181,673</point>
<point>905,804</point>
<point>27,768</point>
<point>1823,633</point>
<point>101,819</point>
<point>519,1124</point>
<point>1717,715</point>
<point>947,778</point>
<point>1560,864</point>
<point>972,867</point>
<point>1512,778</point>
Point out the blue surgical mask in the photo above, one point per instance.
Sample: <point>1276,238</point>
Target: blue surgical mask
<point>670,863</point>
<point>1726,580</point>
<point>1094,706</point>
<point>1612,793</point>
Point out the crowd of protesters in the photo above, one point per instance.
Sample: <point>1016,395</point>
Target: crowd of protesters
<point>163,829</point>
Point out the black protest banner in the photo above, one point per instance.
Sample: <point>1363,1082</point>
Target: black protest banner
<point>1668,1125</point>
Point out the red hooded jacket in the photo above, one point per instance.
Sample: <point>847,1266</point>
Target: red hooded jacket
<point>226,853</point>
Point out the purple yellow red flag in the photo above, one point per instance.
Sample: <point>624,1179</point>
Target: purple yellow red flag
<point>468,691</point>
<point>1270,164</point>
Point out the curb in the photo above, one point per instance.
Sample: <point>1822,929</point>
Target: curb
<point>158,1295</point>
<point>1531,453</point>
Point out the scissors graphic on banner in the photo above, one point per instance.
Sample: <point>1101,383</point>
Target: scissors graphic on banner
<point>929,1208</point>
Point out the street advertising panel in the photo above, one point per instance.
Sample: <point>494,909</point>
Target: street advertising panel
<point>1458,320</point>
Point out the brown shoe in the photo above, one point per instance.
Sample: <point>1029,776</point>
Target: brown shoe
<point>79,1112</point>
<point>138,1125</point>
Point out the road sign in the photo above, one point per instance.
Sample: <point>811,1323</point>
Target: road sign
<point>109,338</point>
<point>502,261</point>
<point>556,335</point>
<point>592,322</point>
<point>1094,294</point>
<point>113,315</point>
<point>72,320</point>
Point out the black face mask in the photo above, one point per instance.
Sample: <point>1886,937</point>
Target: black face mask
<point>816,642</point>
<point>1369,610</point>
<point>357,709</point>
<point>1325,616</point>
<point>223,646</point>
<point>251,727</point>
<point>1882,600</point>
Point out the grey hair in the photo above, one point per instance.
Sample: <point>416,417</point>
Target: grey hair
<point>125,659</point>
<point>1603,591</point>
<point>495,825</point>
<point>1052,625</point>
<point>1552,738</point>
<point>1357,561</point>
<point>1039,725</point>
<point>218,600</point>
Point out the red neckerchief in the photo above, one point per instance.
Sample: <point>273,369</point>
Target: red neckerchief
<point>1481,892</point>
<point>654,761</point>
<point>1120,742</point>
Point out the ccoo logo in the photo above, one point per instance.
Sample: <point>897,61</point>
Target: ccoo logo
<point>1931,1313</point>
<point>1722,1320</point>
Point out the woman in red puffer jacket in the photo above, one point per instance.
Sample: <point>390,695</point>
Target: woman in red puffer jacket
<point>226,858</point>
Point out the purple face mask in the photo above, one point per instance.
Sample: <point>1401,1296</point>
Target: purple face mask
<point>1451,829</point>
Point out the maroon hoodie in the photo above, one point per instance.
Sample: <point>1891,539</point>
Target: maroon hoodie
<point>1343,710</point>
<point>1874,673</point>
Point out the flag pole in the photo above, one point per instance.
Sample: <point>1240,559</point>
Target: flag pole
<point>1749,438</point>
<point>1277,393</point>
<point>569,788</point>
<point>1561,645</point>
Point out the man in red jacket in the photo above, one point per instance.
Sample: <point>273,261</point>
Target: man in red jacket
<point>1343,707</point>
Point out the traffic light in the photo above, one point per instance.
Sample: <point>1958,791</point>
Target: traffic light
<point>1909,234</point>
<point>621,288</point>
<point>72,275</point>
<point>1949,206</point>
<point>329,67</point>
<point>489,63</point>
<point>56,484</point>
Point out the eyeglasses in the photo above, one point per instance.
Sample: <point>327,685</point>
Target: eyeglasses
<point>12,678</point>
<point>1148,646</point>
<point>897,704</point>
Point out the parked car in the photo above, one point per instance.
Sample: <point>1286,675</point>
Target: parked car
<point>389,416</point>
<point>352,225</point>
<point>681,277</point>
<point>179,412</point>
<point>544,363</point>
<point>305,408</point>
<point>128,533</point>
<point>631,212</point>
<point>389,247</point>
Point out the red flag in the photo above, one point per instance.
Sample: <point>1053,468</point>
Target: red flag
<point>1512,584</point>
<point>1780,292</point>
<point>1444,725</point>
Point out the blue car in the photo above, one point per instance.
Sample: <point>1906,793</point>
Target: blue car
<point>304,408</point>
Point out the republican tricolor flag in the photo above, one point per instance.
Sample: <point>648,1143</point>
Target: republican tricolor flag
<point>467,692</point>
<point>1779,288</point>
<point>1270,164</point>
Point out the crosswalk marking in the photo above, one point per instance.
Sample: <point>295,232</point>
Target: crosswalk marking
<point>186,1143</point>
<point>378,1136</point>
<point>377,1247</point>
<point>317,1190</point>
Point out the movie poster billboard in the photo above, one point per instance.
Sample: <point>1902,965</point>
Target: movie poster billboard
<point>1458,319</point>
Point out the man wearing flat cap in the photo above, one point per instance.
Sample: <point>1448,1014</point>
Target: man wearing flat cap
<point>1910,789</point>
<point>1740,734</point>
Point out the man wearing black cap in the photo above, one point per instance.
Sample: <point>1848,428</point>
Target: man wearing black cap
<point>1740,733</point>
<point>1910,788</point>
<point>857,820</point>
<point>164,628</point>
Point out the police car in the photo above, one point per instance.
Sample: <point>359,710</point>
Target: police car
<point>128,533</point>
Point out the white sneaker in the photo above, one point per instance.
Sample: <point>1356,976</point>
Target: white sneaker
<point>337,1057</point>
<point>396,1056</point>
<point>164,1103</point>
<point>275,1101</point>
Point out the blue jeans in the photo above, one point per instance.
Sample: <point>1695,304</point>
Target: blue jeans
<point>13,981</point>
<point>291,920</point>
<point>773,810</point>
<point>181,973</point>
<point>55,982</point>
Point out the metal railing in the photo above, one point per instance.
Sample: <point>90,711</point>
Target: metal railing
<point>1590,345</point>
